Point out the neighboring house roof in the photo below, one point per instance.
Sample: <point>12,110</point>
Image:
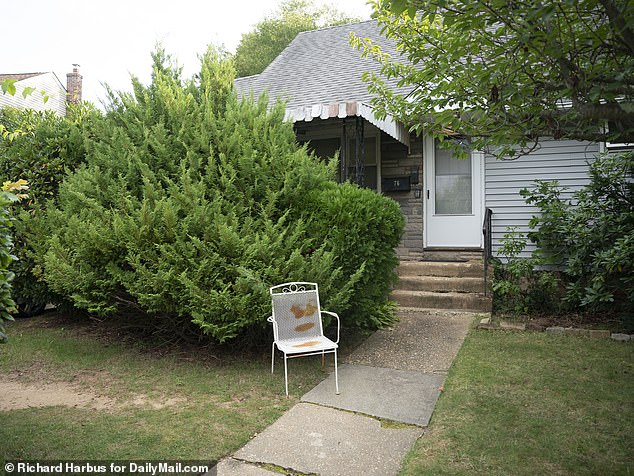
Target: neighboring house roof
<point>319,76</point>
<point>46,85</point>
<point>19,76</point>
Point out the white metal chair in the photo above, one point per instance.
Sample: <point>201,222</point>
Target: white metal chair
<point>297,325</point>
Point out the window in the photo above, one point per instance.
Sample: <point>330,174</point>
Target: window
<point>452,183</point>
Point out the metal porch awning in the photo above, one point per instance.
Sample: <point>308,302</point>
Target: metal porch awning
<point>342,110</point>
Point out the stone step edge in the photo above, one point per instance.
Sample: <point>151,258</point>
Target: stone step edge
<point>441,270</point>
<point>435,310</point>
<point>440,284</point>
<point>486,323</point>
<point>456,301</point>
<point>435,277</point>
<point>436,293</point>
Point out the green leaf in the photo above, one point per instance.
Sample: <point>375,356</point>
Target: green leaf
<point>5,84</point>
<point>27,91</point>
<point>398,6</point>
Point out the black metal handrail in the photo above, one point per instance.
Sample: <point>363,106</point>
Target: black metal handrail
<point>488,251</point>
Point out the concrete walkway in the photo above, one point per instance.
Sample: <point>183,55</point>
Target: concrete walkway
<point>388,390</point>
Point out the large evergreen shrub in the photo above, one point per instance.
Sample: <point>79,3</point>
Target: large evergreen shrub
<point>192,203</point>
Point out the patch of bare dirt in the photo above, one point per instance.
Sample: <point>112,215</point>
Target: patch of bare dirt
<point>16,395</point>
<point>145,401</point>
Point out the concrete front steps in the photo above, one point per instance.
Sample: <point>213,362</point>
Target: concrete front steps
<point>435,284</point>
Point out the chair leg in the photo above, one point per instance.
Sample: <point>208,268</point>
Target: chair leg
<point>272,357</point>
<point>336,376</point>
<point>323,360</point>
<point>286,375</point>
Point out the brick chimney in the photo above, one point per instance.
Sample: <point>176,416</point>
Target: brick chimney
<point>73,86</point>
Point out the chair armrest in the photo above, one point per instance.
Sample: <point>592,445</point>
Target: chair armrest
<point>338,322</point>
<point>272,321</point>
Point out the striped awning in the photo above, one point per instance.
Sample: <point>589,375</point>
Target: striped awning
<point>342,110</point>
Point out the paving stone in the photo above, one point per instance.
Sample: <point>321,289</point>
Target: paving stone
<point>490,327</point>
<point>313,439</point>
<point>425,341</point>
<point>532,326</point>
<point>555,330</point>
<point>599,334</point>
<point>621,337</point>
<point>405,396</point>
<point>512,326</point>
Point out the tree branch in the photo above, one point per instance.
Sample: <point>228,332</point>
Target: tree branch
<point>617,20</point>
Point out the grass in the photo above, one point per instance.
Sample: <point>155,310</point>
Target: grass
<point>514,403</point>
<point>532,403</point>
<point>223,401</point>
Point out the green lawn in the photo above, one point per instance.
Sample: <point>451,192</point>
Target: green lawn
<point>222,402</point>
<point>532,403</point>
<point>514,403</point>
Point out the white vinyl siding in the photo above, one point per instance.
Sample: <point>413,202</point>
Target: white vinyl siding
<point>565,161</point>
<point>47,82</point>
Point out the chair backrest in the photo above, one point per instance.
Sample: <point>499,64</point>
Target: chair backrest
<point>296,311</point>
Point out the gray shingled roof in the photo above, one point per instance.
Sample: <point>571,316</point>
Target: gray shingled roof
<point>320,67</point>
<point>18,76</point>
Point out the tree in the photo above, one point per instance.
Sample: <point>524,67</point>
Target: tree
<point>259,47</point>
<point>507,74</point>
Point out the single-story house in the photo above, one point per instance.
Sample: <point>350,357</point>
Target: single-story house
<point>46,85</point>
<point>444,200</point>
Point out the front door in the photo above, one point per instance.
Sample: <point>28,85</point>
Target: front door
<point>453,198</point>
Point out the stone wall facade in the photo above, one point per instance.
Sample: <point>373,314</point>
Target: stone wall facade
<point>399,161</point>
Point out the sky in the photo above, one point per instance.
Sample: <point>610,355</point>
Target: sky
<point>113,39</point>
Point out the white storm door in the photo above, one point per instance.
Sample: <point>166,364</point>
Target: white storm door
<point>453,198</point>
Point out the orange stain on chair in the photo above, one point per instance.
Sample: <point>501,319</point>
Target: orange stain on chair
<point>310,309</point>
<point>300,312</point>
<point>310,343</point>
<point>305,327</point>
<point>297,311</point>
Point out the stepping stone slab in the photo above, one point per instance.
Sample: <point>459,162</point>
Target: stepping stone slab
<point>313,439</point>
<point>401,395</point>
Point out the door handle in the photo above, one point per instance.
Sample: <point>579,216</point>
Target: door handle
<point>427,194</point>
